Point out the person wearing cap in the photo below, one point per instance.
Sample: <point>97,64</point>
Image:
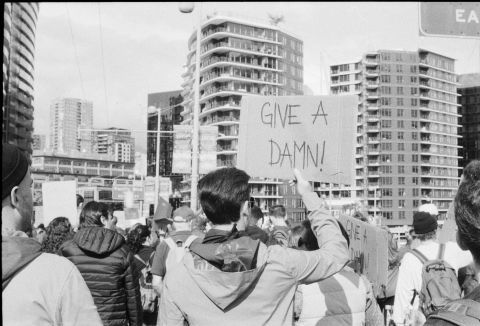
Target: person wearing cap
<point>33,292</point>
<point>181,231</point>
<point>410,272</point>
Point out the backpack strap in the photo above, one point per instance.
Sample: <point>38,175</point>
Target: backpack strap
<point>189,241</point>
<point>441,251</point>
<point>419,255</point>
<point>170,243</point>
<point>140,259</point>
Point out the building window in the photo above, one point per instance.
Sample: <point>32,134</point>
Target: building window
<point>400,124</point>
<point>399,112</point>
<point>399,68</point>
<point>400,135</point>
<point>401,169</point>
<point>401,203</point>
<point>401,157</point>
<point>386,192</point>
<point>414,147</point>
<point>414,113</point>
<point>386,123</point>
<point>401,192</point>
<point>386,135</point>
<point>415,169</point>
<point>401,180</point>
<point>399,79</point>
<point>400,91</point>
<point>401,215</point>
<point>415,203</point>
<point>400,101</point>
<point>401,146</point>
<point>386,146</point>
<point>415,180</point>
<point>414,158</point>
<point>414,135</point>
<point>388,215</point>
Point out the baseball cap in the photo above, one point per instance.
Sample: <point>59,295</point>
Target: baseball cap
<point>183,214</point>
<point>429,208</point>
<point>424,222</point>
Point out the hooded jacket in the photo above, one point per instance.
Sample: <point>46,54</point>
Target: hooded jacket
<point>105,262</point>
<point>235,280</point>
<point>34,293</point>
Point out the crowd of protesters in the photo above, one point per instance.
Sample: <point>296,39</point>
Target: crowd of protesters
<point>229,264</point>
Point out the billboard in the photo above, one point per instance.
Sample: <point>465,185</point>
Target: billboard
<point>450,19</point>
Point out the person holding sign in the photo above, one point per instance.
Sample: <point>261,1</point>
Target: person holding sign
<point>230,279</point>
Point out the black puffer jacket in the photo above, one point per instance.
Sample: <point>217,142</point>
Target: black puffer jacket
<point>105,262</point>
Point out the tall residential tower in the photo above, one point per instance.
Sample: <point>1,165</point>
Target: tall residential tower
<point>469,90</point>
<point>239,57</point>
<point>19,28</point>
<point>407,130</point>
<point>67,117</point>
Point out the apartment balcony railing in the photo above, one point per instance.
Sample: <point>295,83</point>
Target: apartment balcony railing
<point>225,30</point>
<point>221,119</point>
<point>217,104</point>
<point>262,50</point>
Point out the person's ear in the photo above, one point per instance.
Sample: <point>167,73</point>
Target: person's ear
<point>104,220</point>
<point>244,212</point>
<point>14,197</point>
<point>460,242</point>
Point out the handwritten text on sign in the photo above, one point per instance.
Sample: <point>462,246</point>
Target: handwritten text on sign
<point>368,250</point>
<point>311,133</point>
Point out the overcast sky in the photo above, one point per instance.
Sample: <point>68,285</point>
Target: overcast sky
<point>145,48</point>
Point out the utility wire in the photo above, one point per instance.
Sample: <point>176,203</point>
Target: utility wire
<point>75,50</point>
<point>103,65</point>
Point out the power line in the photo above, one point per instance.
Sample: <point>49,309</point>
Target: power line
<point>103,64</point>
<point>75,50</point>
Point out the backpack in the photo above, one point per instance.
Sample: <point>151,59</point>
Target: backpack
<point>439,282</point>
<point>176,252</point>
<point>147,294</point>
<point>464,312</point>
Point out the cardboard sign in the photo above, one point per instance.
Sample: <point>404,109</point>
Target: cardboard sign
<point>368,250</point>
<point>60,199</point>
<point>314,134</point>
<point>449,228</point>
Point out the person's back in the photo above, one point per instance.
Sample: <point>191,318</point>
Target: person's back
<point>235,280</point>
<point>105,262</point>
<point>37,288</point>
<point>345,298</point>
<point>410,271</point>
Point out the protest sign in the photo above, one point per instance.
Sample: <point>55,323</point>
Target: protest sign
<point>182,149</point>
<point>315,134</point>
<point>368,250</point>
<point>449,228</point>
<point>208,149</point>
<point>60,199</point>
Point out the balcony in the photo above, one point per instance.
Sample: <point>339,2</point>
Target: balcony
<point>372,96</point>
<point>373,140</point>
<point>371,73</point>
<point>373,118</point>
<point>373,162</point>
<point>372,85</point>
<point>372,108</point>
<point>373,129</point>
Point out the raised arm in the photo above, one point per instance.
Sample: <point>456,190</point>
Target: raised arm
<point>313,266</point>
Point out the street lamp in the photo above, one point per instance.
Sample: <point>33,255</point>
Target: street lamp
<point>188,7</point>
<point>152,109</point>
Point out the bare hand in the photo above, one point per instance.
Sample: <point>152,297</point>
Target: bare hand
<point>303,186</point>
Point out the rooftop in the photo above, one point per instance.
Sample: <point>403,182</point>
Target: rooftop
<point>469,80</point>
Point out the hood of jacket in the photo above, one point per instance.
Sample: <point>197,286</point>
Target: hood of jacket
<point>98,240</point>
<point>17,252</point>
<point>226,272</point>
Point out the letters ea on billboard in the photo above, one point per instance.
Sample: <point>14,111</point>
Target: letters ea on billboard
<point>457,19</point>
<point>315,134</point>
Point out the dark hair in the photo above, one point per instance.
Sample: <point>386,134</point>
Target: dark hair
<point>91,214</point>
<point>58,231</point>
<point>41,226</point>
<point>222,193</point>
<point>256,213</point>
<point>137,236</point>
<point>79,199</point>
<point>278,211</point>
<point>467,209</point>
<point>302,234</point>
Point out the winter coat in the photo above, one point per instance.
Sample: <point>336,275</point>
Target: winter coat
<point>240,281</point>
<point>42,289</point>
<point>105,262</point>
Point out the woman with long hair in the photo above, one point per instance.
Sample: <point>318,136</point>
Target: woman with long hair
<point>138,240</point>
<point>58,231</point>
<point>106,263</point>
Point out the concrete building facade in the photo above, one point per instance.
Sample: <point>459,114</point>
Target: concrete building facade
<point>238,57</point>
<point>19,29</point>
<point>117,142</point>
<point>407,131</point>
<point>469,90</point>
<point>67,117</point>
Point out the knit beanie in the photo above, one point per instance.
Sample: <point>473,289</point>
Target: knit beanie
<point>14,168</point>
<point>424,223</point>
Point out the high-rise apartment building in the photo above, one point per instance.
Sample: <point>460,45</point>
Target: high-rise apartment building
<point>67,117</point>
<point>407,130</point>
<point>117,142</point>
<point>469,90</point>
<point>238,57</point>
<point>19,28</point>
<point>169,103</point>
<point>39,142</point>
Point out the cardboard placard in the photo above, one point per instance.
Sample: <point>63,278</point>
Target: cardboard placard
<point>315,134</point>
<point>60,199</point>
<point>368,250</point>
<point>449,228</point>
